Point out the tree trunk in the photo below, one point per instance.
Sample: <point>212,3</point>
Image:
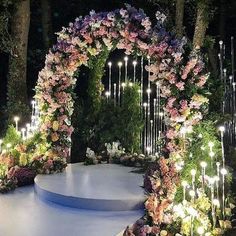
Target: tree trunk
<point>201,23</point>
<point>46,23</point>
<point>179,17</point>
<point>17,87</point>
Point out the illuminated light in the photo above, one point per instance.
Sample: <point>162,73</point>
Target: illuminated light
<point>211,144</point>
<point>130,84</point>
<point>220,42</point>
<point>126,58</point>
<point>223,171</point>
<point>123,85</point>
<point>192,193</point>
<point>222,129</point>
<point>211,154</point>
<point>149,91</point>
<point>120,63</point>
<point>200,136</point>
<point>161,114</point>
<point>216,202</point>
<point>203,164</point>
<point>1,141</point>
<point>193,172</point>
<point>107,93</point>
<point>200,230</point>
<point>203,148</point>
<point>134,63</point>
<point>184,183</point>
<point>4,151</point>
<point>218,164</point>
<point>16,118</point>
<point>145,104</point>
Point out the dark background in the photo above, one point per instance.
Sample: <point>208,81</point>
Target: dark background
<point>222,26</point>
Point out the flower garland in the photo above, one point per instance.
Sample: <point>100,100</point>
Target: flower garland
<point>181,84</point>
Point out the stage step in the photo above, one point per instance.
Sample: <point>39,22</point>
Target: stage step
<point>104,187</point>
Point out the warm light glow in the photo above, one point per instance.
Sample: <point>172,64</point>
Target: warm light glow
<point>123,85</point>
<point>203,148</point>
<point>220,42</point>
<point>107,93</point>
<point>193,172</point>
<point>223,171</point>
<point>126,58</point>
<point>145,104</point>
<point>200,136</point>
<point>216,202</point>
<point>134,63</point>
<point>211,144</point>
<point>109,64</point>
<point>222,129</point>
<point>211,154</point>
<point>184,183</point>
<point>130,84</point>
<point>149,91</point>
<point>192,193</point>
<point>203,164</point>
<point>120,64</point>
<point>8,145</point>
<point>200,230</point>
<point>16,118</point>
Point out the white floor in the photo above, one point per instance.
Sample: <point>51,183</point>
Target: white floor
<point>23,213</point>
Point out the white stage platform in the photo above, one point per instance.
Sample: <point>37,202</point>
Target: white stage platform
<point>104,187</point>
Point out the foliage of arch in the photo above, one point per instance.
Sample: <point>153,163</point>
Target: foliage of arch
<point>181,80</point>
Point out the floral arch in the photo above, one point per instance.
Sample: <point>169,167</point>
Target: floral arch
<point>181,80</point>
<point>130,29</point>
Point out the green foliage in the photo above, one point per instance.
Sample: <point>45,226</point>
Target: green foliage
<point>112,123</point>
<point>131,122</point>
<point>11,136</point>
<point>198,151</point>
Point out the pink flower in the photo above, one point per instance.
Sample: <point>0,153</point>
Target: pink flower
<point>180,85</point>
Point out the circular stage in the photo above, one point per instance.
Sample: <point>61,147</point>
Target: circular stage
<point>107,187</point>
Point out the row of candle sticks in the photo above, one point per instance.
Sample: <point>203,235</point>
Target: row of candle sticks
<point>151,109</point>
<point>229,85</point>
<point>211,183</point>
<point>27,131</point>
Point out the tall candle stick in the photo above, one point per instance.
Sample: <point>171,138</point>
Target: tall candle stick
<point>23,133</point>
<point>212,182</point>
<point>16,119</point>
<point>203,165</point>
<point>141,97</point>
<point>224,173</point>
<point>145,127</point>
<point>193,173</point>
<point>232,56</point>
<point>119,81</point>
<point>151,136</point>
<point>154,125</point>
<point>211,153</point>
<point>134,64</point>
<point>107,94</point>
<point>126,68</point>
<point>109,78</point>
<point>184,184</point>
<point>8,146</point>
<point>222,130</point>
<point>114,94</point>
